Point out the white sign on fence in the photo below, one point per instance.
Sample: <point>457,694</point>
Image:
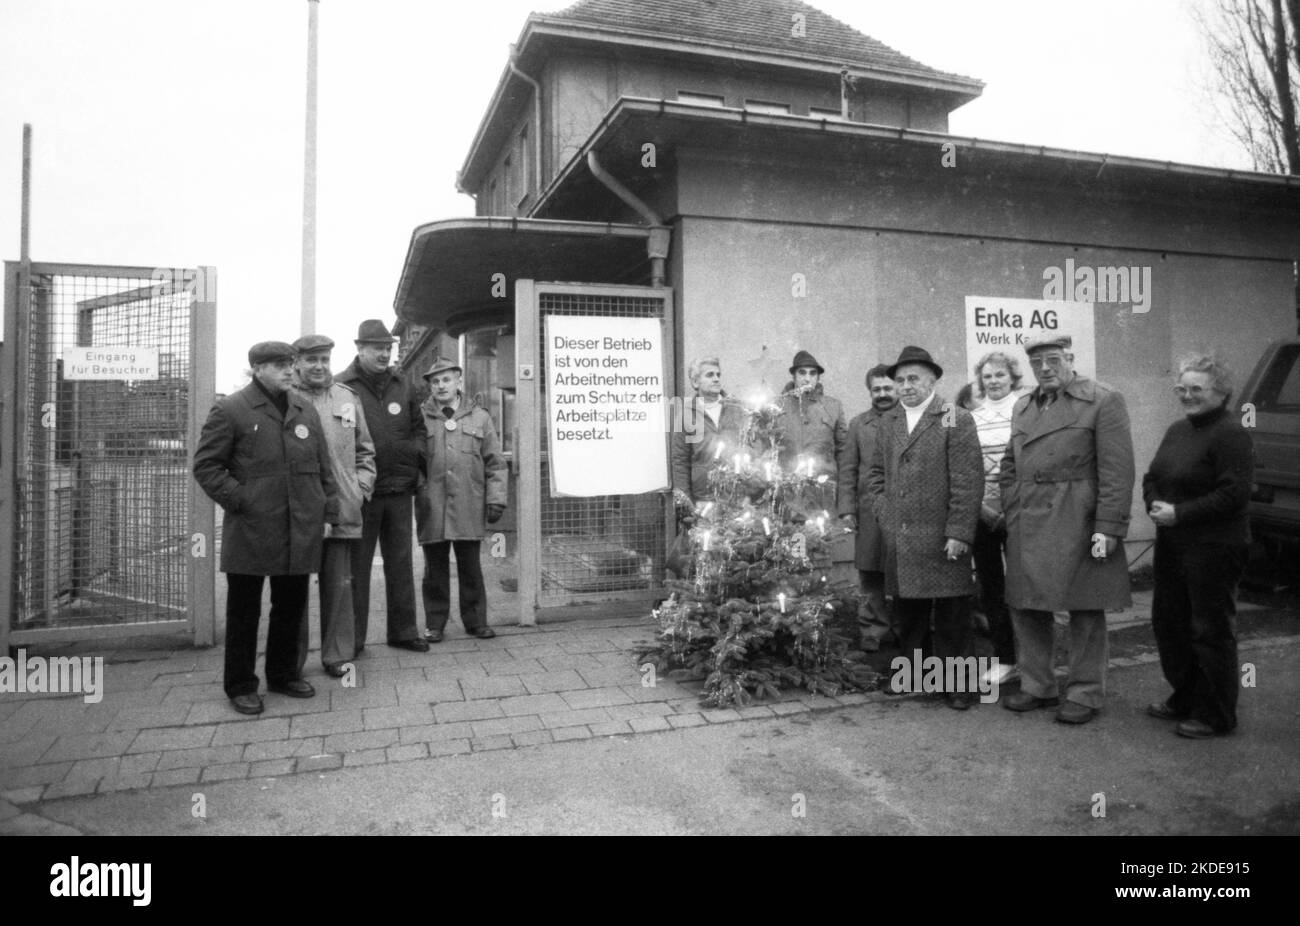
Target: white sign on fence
<point>606,398</point>
<point>125,363</point>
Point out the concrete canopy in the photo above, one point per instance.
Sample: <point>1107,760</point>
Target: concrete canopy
<point>449,280</point>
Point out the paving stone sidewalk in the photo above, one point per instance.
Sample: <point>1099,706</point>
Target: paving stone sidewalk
<point>166,721</point>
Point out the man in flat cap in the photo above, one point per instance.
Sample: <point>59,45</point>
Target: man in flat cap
<point>926,481</point>
<point>263,457</point>
<point>392,412</point>
<point>352,455</point>
<point>814,432</point>
<point>1067,484</point>
<point>465,486</point>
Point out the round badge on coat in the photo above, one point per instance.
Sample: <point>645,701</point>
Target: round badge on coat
<point>394,408</point>
<point>450,424</point>
<point>301,431</point>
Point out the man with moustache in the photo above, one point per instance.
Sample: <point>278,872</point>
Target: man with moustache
<point>1067,484</point>
<point>465,485</point>
<point>855,509</point>
<point>263,457</point>
<point>392,411</point>
<point>352,455</point>
<point>925,482</point>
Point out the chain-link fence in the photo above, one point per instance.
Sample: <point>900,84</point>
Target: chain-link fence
<point>102,370</point>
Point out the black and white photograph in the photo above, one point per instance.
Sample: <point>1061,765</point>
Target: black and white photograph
<point>679,417</point>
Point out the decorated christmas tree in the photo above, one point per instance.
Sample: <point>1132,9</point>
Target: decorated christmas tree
<point>759,612</point>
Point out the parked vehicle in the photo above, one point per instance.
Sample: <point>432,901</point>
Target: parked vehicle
<point>1272,398</point>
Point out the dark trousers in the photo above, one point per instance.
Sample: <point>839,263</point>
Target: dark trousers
<point>1193,614</point>
<point>244,612</point>
<point>936,626</point>
<point>386,521</point>
<point>989,550</point>
<point>874,621</point>
<point>437,584</point>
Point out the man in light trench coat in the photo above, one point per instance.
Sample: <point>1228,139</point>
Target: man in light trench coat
<point>352,454</point>
<point>465,484</point>
<point>1067,486</point>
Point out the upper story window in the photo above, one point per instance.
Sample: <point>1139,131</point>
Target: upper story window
<point>524,160</point>
<point>700,99</point>
<point>771,109</point>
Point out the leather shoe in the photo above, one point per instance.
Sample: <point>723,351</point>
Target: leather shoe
<point>485,633</point>
<point>1162,710</point>
<point>433,636</point>
<point>294,688</point>
<point>416,646</point>
<point>247,703</point>
<point>958,702</point>
<point>1022,701</point>
<point>1074,712</point>
<point>336,671</point>
<point>1195,729</point>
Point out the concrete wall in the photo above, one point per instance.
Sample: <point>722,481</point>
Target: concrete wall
<point>922,247</point>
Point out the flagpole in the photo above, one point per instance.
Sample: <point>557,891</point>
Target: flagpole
<point>308,321</point>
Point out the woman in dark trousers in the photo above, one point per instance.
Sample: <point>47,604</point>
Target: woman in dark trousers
<point>1197,492</point>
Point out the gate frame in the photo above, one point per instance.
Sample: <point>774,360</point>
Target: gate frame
<point>530,419</point>
<point>201,571</point>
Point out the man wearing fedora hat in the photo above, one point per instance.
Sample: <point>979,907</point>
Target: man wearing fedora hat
<point>926,481</point>
<point>465,485</point>
<point>263,457</point>
<point>352,454</point>
<point>813,430</point>
<point>392,411</point>
<point>1067,483</point>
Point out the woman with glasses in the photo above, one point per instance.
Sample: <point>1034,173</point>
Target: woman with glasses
<point>1197,492</point>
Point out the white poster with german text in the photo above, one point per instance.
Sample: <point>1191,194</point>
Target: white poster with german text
<point>605,390</point>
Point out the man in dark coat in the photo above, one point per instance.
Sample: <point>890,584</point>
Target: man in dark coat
<point>263,457</point>
<point>710,421</point>
<point>392,411</point>
<point>466,484</point>
<point>926,481</point>
<point>855,509</point>
<point>1067,486</point>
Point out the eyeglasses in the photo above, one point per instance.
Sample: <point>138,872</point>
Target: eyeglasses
<point>1052,360</point>
<point>1191,390</point>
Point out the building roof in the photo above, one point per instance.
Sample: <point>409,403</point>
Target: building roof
<point>751,33</point>
<point>755,24</point>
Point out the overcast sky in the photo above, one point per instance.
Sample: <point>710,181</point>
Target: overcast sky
<point>170,132</point>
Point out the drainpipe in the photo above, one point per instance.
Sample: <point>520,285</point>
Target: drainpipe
<point>537,116</point>
<point>660,234</point>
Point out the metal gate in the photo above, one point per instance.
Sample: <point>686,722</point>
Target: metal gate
<point>581,550</point>
<point>106,372</point>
